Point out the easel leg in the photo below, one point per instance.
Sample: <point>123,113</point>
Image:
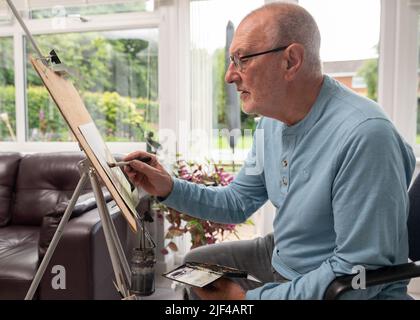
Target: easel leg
<point>119,262</point>
<point>110,239</point>
<point>50,251</point>
<point>120,251</point>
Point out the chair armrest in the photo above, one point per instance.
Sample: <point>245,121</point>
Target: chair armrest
<point>83,252</point>
<point>373,277</point>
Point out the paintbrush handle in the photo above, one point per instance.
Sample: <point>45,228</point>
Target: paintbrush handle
<point>126,163</point>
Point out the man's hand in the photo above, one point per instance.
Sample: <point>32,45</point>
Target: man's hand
<point>152,177</point>
<point>221,289</point>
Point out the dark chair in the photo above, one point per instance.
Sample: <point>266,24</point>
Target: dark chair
<point>395,273</point>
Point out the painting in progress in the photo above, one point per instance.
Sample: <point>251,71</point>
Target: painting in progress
<point>73,109</point>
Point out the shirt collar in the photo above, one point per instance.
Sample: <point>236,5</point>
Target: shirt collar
<point>304,125</point>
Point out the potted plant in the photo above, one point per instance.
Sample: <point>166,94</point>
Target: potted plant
<point>202,232</point>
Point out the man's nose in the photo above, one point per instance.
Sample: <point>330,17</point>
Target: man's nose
<point>232,74</point>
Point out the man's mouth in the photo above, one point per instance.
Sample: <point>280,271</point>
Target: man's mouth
<point>243,93</point>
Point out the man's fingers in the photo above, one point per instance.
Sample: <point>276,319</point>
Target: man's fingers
<point>131,173</point>
<point>142,167</point>
<point>134,176</point>
<point>151,175</point>
<point>221,283</point>
<point>204,293</point>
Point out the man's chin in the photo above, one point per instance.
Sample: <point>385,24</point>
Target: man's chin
<point>249,109</point>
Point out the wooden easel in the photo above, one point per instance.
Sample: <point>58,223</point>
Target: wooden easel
<point>76,115</point>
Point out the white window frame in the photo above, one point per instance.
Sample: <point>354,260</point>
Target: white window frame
<point>158,19</point>
<point>174,73</point>
<point>397,80</point>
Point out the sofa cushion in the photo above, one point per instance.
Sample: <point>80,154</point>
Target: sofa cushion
<point>9,164</point>
<point>43,181</point>
<point>18,260</point>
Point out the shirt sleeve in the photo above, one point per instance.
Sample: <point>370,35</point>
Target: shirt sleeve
<point>230,204</point>
<point>370,206</point>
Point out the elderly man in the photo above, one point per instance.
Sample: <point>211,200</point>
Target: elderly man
<point>333,165</point>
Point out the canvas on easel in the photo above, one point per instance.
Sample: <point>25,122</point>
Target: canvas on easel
<point>73,110</point>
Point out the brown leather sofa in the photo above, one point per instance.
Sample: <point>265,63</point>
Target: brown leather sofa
<point>33,190</point>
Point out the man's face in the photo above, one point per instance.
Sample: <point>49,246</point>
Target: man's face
<point>259,80</point>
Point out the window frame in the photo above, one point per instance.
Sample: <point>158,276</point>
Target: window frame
<point>397,79</point>
<point>112,22</point>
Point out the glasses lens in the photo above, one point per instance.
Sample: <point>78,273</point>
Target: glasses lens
<point>232,60</point>
<point>236,62</point>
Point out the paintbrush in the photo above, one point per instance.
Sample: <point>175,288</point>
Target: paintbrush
<point>126,163</point>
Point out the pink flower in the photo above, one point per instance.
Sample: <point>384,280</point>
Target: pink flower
<point>202,231</point>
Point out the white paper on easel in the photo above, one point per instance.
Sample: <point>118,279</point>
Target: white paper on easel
<point>92,136</point>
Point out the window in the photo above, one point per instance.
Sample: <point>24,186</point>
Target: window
<point>349,52</point>
<point>113,59</point>
<point>7,91</point>
<point>350,32</point>
<point>209,30</point>
<point>5,17</point>
<point>116,74</point>
<point>398,81</point>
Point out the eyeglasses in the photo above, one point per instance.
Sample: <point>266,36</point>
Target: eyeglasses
<point>238,62</point>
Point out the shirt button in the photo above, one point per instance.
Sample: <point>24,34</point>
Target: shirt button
<point>285,182</point>
<point>284,163</point>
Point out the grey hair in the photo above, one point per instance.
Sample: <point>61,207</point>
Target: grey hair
<point>293,24</point>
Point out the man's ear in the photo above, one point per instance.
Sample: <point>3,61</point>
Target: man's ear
<point>294,56</point>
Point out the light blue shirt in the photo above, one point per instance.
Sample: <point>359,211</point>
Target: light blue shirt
<point>338,179</point>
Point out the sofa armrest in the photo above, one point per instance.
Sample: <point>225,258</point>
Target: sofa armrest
<point>51,220</point>
<point>83,253</point>
<point>86,202</point>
